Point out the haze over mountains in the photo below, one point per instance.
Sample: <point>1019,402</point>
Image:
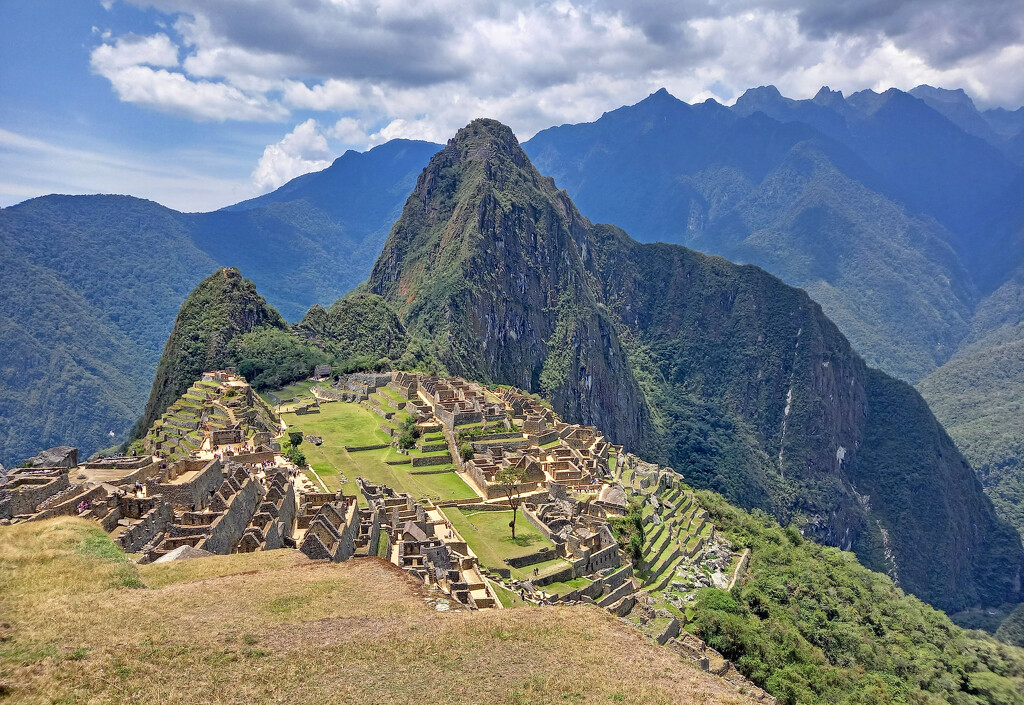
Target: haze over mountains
<point>899,213</point>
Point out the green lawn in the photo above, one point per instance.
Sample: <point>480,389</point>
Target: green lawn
<point>392,396</point>
<point>508,597</point>
<point>341,424</point>
<point>567,586</point>
<point>487,533</point>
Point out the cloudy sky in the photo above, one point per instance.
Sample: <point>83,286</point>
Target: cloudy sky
<point>201,103</point>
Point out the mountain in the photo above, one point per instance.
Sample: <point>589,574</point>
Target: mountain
<point>358,328</point>
<point>91,285</point>
<point>925,161</point>
<point>780,194</point>
<point>486,264</point>
<point>979,395</point>
<point>223,307</point>
<point>958,107</point>
<point>724,372</point>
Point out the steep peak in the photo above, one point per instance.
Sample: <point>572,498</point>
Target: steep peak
<point>869,102</point>
<point>485,139</point>
<point>221,307</point>
<point>828,98</point>
<point>766,99</point>
<point>944,95</point>
<point>661,97</point>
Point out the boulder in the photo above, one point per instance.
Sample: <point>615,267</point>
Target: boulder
<point>181,553</point>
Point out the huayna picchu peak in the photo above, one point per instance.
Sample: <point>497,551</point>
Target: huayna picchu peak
<point>724,372</point>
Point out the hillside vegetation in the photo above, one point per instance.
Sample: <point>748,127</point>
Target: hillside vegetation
<point>979,397</point>
<point>811,625</point>
<point>80,623</point>
<point>91,285</point>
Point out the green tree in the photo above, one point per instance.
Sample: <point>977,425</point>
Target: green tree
<point>511,480</point>
<point>295,438</point>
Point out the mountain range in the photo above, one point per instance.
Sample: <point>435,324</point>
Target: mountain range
<point>899,213</point>
<point>722,371</point>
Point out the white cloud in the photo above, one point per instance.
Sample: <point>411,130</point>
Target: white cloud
<point>349,131</point>
<point>302,150</point>
<point>130,50</point>
<point>373,70</point>
<point>425,69</point>
<point>129,64</point>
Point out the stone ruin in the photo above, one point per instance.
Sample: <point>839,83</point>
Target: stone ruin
<point>331,522</point>
<point>153,507</point>
<point>423,542</point>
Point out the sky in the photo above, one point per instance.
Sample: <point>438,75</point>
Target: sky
<point>198,104</point>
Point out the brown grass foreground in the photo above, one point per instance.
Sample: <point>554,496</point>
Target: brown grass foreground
<point>81,624</point>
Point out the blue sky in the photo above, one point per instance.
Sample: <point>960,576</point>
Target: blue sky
<point>201,103</point>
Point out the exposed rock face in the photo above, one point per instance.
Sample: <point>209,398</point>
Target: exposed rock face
<point>59,457</point>
<point>736,379</point>
<point>222,307</point>
<point>489,263</point>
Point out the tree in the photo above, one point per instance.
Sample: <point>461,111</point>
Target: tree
<point>511,480</point>
<point>466,450</point>
<point>295,438</point>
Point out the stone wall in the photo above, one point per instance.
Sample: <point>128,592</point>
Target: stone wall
<point>252,458</point>
<point>531,558</point>
<point>419,462</point>
<point>151,523</point>
<point>194,493</point>
<point>228,528</point>
<point>25,491</point>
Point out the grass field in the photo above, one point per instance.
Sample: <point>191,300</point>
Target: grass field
<point>488,534</point>
<point>295,392</point>
<point>274,627</point>
<point>341,424</point>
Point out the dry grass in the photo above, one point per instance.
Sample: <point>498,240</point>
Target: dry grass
<point>277,628</point>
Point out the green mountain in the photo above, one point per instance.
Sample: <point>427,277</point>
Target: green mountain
<point>784,185</point>
<point>357,330</point>
<point>979,397</point>
<point>734,378</point>
<point>91,285</point>
<point>223,308</point>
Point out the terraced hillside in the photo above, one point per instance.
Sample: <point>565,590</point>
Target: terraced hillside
<point>207,406</point>
<point>681,551</point>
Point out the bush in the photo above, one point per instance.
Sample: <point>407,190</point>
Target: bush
<point>296,456</point>
<point>295,438</point>
<point>466,451</point>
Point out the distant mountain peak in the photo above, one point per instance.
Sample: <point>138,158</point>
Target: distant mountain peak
<point>761,98</point>
<point>828,98</point>
<point>947,95</point>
